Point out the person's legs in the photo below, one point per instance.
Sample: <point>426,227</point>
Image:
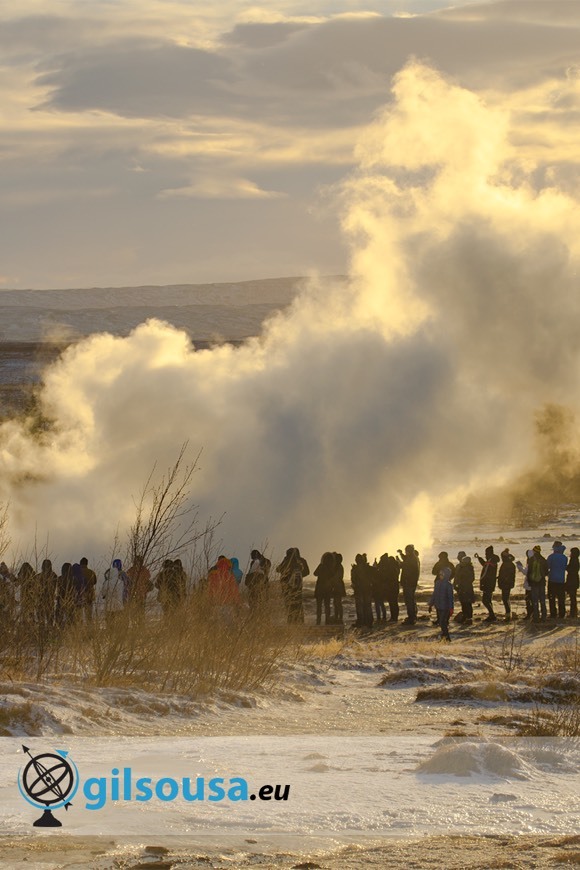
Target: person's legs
<point>409,597</point>
<point>318,610</point>
<point>573,593</point>
<point>487,601</point>
<point>561,599</point>
<point>505,597</point>
<point>394,608</point>
<point>444,623</point>
<point>552,599</point>
<point>326,609</point>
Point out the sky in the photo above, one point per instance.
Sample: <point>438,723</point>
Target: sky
<point>162,142</point>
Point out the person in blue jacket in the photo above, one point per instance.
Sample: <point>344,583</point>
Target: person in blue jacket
<point>442,600</point>
<point>557,563</point>
<point>236,570</point>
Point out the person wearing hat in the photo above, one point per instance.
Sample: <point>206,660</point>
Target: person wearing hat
<point>537,573</point>
<point>487,580</point>
<point>506,580</point>
<point>557,563</point>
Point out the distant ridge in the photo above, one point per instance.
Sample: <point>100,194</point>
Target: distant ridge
<point>233,310</point>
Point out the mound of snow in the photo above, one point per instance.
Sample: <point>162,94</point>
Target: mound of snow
<point>467,759</point>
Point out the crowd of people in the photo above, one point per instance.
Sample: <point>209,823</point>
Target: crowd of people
<point>46,598</point>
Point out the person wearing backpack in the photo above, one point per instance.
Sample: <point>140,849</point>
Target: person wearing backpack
<point>506,580</point>
<point>537,573</point>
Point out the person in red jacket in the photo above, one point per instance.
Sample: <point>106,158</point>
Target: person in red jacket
<point>222,589</point>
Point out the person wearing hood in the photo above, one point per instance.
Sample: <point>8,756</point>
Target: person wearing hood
<point>46,583</point>
<point>442,600</point>
<point>506,580</point>
<point>65,596</point>
<point>7,596</point>
<point>236,570</point>
<point>523,569</point>
<point>557,563</point>
<point>537,573</point>
<point>292,570</point>
<point>487,580</point>
<point>572,581</point>
<point>115,588</point>
<point>463,585</point>
<point>222,589</point>
<point>410,571</point>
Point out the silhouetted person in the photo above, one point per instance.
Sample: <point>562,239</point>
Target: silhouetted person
<point>26,579</point>
<point>379,597</point>
<point>257,579</point>
<point>80,586</point>
<point>410,570</point>
<point>557,563</point>
<point>388,570</point>
<point>338,591</point>
<point>572,581</point>
<point>506,580</point>
<point>442,600</point>
<point>140,583</point>
<point>523,569</point>
<point>537,573</point>
<point>324,574</point>
<point>7,596</point>
<point>443,562</point>
<point>171,585</point>
<point>46,583</point>
<point>65,596</point>
<point>488,581</point>
<point>361,578</point>
<point>292,570</point>
<point>463,584</point>
<point>90,588</point>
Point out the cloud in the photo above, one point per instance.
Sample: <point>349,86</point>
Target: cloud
<point>221,187</point>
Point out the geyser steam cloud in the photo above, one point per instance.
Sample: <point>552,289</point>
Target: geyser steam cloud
<point>365,404</point>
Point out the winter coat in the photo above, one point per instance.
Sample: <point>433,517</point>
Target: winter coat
<point>361,579</point>
<point>387,572</point>
<point>488,576</point>
<point>292,569</point>
<point>557,563</point>
<point>410,570</point>
<point>221,584</point>
<point>236,570</point>
<point>442,597</point>
<point>324,574</point>
<point>464,580</point>
<point>573,571</point>
<point>115,589</point>
<point>506,579</point>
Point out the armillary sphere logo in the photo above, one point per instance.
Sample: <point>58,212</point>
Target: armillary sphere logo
<point>48,781</point>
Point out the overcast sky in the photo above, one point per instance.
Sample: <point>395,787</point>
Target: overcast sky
<point>158,141</point>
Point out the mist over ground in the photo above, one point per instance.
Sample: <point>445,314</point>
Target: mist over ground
<point>366,405</point>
